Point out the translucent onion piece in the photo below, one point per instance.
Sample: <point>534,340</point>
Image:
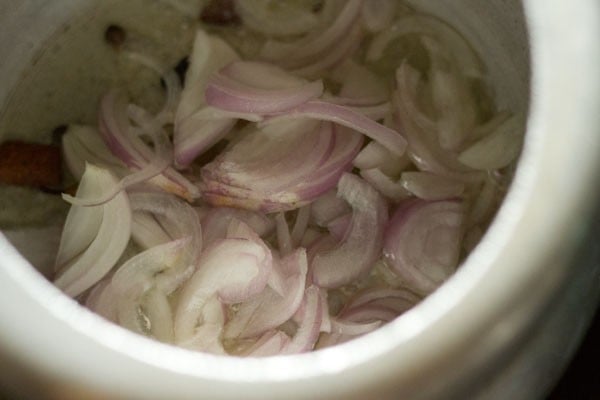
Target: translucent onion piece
<point>146,231</point>
<point>308,330</point>
<point>462,54</point>
<point>276,18</point>
<point>355,256</point>
<point>193,134</point>
<point>207,336</point>
<point>231,95</point>
<point>232,269</point>
<point>270,309</point>
<point>217,221</point>
<point>389,138</point>
<point>428,186</point>
<point>496,150</point>
<point>278,173</point>
<point>378,304</point>
<point>338,227</point>
<point>93,261</point>
<point>209,55</point>
<point>378,14</point>
<point>131,149</point>
<point>424,149</point>
<point>353,328</point>
<point>374,155</point>
<point>387,186</point>
<point>151,268</point>
<point>452,98</point>
<point>284,239</point>
<point>328,207</point>
<point>423,242</point>
<point>269,344</point>
<point>81,144</point>
<point>103,301</point>
<point>196,134</point>
<point>313,47</point>
<point>172,84</point>
<point>179,221</point>
<point>150,316</point>
<point>300,225</point>
<point>343,50</point>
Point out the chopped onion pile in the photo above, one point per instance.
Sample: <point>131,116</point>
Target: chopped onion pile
<point>293,200</point>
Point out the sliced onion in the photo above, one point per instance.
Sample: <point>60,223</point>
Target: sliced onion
<point>300,225</point>
<point>355,256</point>
<point>428,186</point>
<point>345,116</point>
<point>344,49</point>
<point>284,239</point>
<point>338,227</point>
<point>308,330</point>
<point>308,49</point>
<point>378,14</point>
<point>136,154</point>
<point>103,301</point>
<point>217,221</point>
<point>276,18</point>
<point>195,132</point>
<point>423,241</point>
<point>498,149</point>
<point>207,336</point>
<point>353,328</point>
<point>146,232</point>
<point>451,97</point>
<point>151,315</point>
<point>387,186</point>
<point>424,149</point>
<point>209,55</point>
<point>151,268</point>
<point>328,207</point>
<point>374,155</point>
<point>267,173</point>
<point>81,144</point>
<point>467,60</point>
<point>179,221</point>
<point>270,309</point>
<point>269,344</point>
<point>233,269</point>
<point>228,94</point>
<point>88,264</point>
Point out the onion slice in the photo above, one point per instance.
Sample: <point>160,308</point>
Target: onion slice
<point>88,261</point>
<point>270,309</point>
<point>422,242</point>
<point>308,330</point>
<point>361,248</point>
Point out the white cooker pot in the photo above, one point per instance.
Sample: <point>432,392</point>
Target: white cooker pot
<point>502,328</point>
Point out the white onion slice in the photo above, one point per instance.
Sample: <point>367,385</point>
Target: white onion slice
<point>218,219</point>
<point>353,328</point>
<point>462,53</point>
<point>423,241</point>
<point>355,256</point>
<point>276,18</point>
<point>194,133</point>
<point>279,173</point>
<point>81,144</point>
<point>308,49</point>
<point>308,330</point>
<point>269,344</point>
<point>232,269</point>
<point>230,95</point>
<point>378,14</point>
<point>327,208</point>
<point>498,149</point>
<point>95,260</point>
<point>146,232</point>
<point>270,309</point>
<point>389,138</point>
<point>103,301</point>
<point>390,188</point>
<point>428,186</point>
